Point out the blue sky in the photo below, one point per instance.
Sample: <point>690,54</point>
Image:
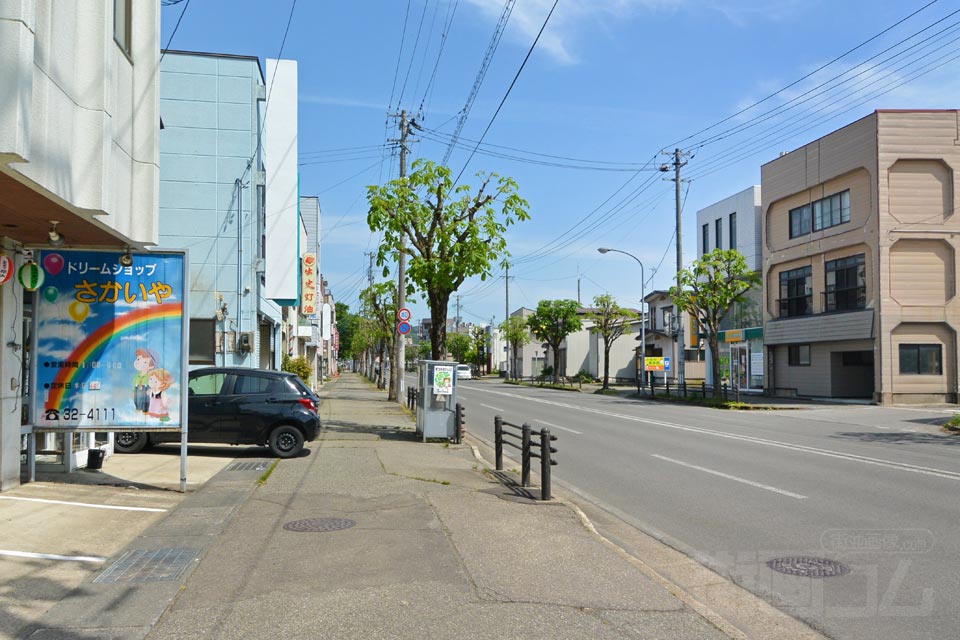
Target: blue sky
<point>610,81</point>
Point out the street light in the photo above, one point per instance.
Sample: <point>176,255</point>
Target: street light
<point>643,314</point>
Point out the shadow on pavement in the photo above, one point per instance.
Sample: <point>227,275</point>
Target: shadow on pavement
<point>900,437</point>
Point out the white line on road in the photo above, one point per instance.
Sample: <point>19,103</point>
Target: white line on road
<point>730,477</point>
<point>50,556</point>
<point>556,426</point>
<point>489,407</point>
<point>84,504</point>
<point>900,466</point>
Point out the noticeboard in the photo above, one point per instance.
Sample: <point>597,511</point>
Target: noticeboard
<point>442,381</point>
<point>109,341</point>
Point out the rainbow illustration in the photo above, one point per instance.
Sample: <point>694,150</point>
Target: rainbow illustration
<point>94,344</point>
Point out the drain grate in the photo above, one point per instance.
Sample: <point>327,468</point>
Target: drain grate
<point>249,466</point>
<point>317,525</point>
<point>808,567</point>
<point>149,565</point>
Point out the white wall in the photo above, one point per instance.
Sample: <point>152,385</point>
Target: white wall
<point>79,120</point>
<point>280,164</point>
<point>746,205</point>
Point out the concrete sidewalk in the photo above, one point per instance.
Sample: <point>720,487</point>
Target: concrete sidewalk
<point>415,540</point>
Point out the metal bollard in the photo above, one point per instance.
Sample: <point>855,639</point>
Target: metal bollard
<point>498,440</point>
<point>724,391</point>
<point>545,464</point>
<point>683,385</point>
<point>525,466</point>
<point>703,390</point>
<point>460,427</point>
<point>667,382</point>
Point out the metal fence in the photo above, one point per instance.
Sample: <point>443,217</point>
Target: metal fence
<point>522,437</point>
<point>702,390</point>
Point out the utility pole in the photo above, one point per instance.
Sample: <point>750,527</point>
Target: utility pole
<point>578,287</point>
<point>456,323</point>
<point>399,350</point>
<point>506,320</point>
<point>678,162</point>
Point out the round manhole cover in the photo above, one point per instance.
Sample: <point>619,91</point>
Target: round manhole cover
<point>808,567</point>
<point>319,524</point>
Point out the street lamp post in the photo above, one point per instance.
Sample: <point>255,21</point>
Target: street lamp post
<point>643,313</point>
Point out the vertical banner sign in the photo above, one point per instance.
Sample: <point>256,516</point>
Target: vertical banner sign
<point>108,341</point>
<point>326,319</point>
<point>308,284</point>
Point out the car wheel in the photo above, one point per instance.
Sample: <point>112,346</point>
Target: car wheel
<point>130,442</point>
<point>286,441</point>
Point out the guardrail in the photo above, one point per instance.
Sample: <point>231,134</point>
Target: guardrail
<point>526,445</point>
<point>683,390</point>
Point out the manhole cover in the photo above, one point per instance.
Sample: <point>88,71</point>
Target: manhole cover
<point>248,466</point>
<point>808,567</point>
<point>319,524</point>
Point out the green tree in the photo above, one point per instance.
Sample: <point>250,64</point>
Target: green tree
<point>346,326</point>
<point>552,322</point>
<point>448,233</point>
<point>479,337</point>
<point>380,306</point>
<point>708,289</point>
<point>610,321</point>
<point>299,365</point>
<point>517,334</point>
<point>459,345</point>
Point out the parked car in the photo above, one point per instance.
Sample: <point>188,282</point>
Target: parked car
<point>234,405</point>
<point>464,372</point>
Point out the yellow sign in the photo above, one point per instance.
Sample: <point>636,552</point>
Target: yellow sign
<point>654,364</point>
<point>734,335</point>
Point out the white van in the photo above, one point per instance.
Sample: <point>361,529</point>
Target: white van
<point>463,372</point>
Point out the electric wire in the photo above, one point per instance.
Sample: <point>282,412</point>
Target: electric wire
<point>175,27</point>
<point>413,53</point>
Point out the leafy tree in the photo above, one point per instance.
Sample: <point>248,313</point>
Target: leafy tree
<point>708,289</point>
<point>517,334</point>
<point>449,233</point>
<point>459,345</point>
<point>299,365</point>
<point>379,305</point>
<point>479,337</point>
<point>346,326</point>
<point>552,322</point>
<point>610,321</point>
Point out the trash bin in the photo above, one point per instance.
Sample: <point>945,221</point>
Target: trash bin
<point>95,459</point>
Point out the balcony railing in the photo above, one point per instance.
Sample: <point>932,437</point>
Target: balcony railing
<point>796,306</point>
<point>846,299</point>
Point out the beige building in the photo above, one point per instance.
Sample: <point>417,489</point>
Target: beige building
<point>859,261</point>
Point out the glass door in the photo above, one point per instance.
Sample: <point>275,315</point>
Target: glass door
<point>739,366</point>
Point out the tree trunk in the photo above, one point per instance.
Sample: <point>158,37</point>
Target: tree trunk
<point>438,325</point>
<point>715,361</point>
<point>394,361</point>
<point>382,352</point>
<point>606,365</point>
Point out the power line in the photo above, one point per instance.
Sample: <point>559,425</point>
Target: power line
<point>427,93</point>
<point>396,73</point>
<point>413,54</point>
<point>175,27</point>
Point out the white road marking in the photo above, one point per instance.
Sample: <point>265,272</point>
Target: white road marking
<point>489,407</point>
<point>50,556</point>
<point>556,426</point>
<point>900,466</point>
<point>730,477</point>
<point>84,504</point>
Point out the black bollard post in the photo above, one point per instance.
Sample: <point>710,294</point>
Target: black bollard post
<point>724,391</point>
<point>498,440</point>
<point>545,464</point>
<point>667,383</point>
<point>525,466</point>
<point>703,390</point>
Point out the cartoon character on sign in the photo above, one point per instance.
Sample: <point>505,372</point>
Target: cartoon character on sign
<point>145,362</point>
<point>159,381</point>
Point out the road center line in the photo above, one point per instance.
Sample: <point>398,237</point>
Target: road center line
<point>489,407</point>
<point>84,504</point>
<point>900,466</point>
<point>50,556</point>
<point>556,426</point>
<point>730,477</point>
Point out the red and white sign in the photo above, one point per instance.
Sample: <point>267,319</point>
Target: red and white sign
<point>308,284</point>
<point>6,268</point>
<point>403,314</point>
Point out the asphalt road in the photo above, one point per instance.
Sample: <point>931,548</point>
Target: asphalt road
<point>875,489</point>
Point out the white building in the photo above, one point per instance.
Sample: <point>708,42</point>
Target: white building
<point>79,125</point>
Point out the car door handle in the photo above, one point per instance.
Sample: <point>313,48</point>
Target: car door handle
<point>273,400</point>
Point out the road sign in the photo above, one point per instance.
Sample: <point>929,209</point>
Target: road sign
<point>654,363</point>
<point>403,314</point>
<point>403,328</point>
<point>666,364</point>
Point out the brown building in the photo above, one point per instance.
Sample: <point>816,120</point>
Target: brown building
<point>860,246</point>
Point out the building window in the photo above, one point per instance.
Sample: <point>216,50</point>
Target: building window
<point>820,214</point>
<point>719,229</point>
<point>203,340</point>
<point>796,292</point>
<point>733,230</point>
<point>706,239</point>
<point>122,24</point>
<point>798,355</point>
<point>921,359</point>
<point>846,284</point>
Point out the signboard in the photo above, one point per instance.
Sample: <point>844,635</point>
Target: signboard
<point>443,381</point>
<point>308,284</point>
<point>326,318</point>
<point>403,328</point>
<point>734,335</point>
<point>403,314</point>
<point>109,341</point>
<point>756,363</point>
<point>666,364</point>
<point>654,363</point>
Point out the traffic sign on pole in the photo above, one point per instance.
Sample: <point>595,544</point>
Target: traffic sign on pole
<point>403,328</point>
<point>403,314</point>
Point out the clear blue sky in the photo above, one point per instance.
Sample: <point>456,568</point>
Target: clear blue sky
<point>610,81</point>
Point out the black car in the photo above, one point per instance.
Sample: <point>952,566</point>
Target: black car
<point>234,405</point>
